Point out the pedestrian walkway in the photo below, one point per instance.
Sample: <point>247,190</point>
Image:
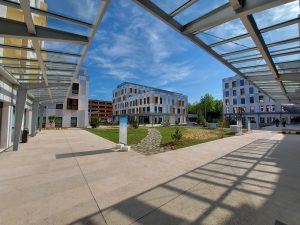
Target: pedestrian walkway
<point>150,144</point>
<point>73,177</point>
<point>280,127</point>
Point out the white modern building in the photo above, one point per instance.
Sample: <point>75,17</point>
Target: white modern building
<point>73,111</point>
<point>8,112</point>
<point>40,65</point>
<point>149,105</point>
<point>257,107</point>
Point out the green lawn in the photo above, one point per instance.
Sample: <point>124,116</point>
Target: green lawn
<point>191,136</point>
<point>134,135</point>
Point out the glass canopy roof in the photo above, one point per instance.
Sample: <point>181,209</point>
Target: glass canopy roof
<point>257,39</point>
<point>43,42</point>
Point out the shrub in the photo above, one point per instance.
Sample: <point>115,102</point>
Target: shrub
<point>52,120</point>
<point>177,135</point>
<point>135,123</point>
<point>94,122</point>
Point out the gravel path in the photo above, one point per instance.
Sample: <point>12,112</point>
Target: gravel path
<point>150,144</point>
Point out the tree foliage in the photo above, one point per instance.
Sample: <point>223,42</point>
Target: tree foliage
<point>94,122</point>
<point>208,109</point>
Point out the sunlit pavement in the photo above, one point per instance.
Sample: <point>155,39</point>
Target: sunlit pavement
<point>73,177</point>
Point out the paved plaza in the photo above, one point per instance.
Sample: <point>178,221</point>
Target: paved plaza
<point>73,177</point>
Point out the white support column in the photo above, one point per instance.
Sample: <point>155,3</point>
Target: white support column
<point>20,106</point>
<point>34,120</point>
<point>41,117</point>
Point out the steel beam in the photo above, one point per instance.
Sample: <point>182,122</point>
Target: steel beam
<point>96,26</point>
<point>46,13</point>
<point>159,13</point>
<point>226,13</point>
<point>256,36</point>
<point>42,50</point>
<point>20,106</point>
<point>16,29</point>
<point>183,7</point>
<point>266,29</point>
<point>31,86</point>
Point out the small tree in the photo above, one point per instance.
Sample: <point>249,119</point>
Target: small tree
<point>94,122</point>
<point>176,136</point>
<point>135,123</point>
<point>52,120</point>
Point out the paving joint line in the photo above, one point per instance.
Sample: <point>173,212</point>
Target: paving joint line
<point>85,180</point>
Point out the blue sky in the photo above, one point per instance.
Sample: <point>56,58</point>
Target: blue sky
<point>133,45</point>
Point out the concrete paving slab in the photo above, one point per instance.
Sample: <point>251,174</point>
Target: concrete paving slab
<point>72,177</point>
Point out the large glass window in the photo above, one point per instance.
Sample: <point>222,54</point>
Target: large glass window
<point>233,84</point>
<point>242,91</point>
<point>242,82</point>
<point>251,100</point>
<point>234,101</point>
<point>75,88</point>
<point>72,104</point>
<point>261,99</point>
<point>226,93</point>
<point>251,90</point>
<point>59,106</point>
<point>243,101</point>
<point>233,92</point>
<point>226,85</point>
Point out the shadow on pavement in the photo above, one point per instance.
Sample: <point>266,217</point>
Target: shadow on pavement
<point>85,153</point>
<point>257,184</point>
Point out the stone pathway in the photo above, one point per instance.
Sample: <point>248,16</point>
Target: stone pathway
<point>150,144</point>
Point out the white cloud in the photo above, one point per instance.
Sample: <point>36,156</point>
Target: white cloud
<point>138,46</point>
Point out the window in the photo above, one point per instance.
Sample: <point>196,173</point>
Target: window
<point>160,109</point>
<point>251,108</point>
<point>178,111</point>
<point>235,110</point>
<point>242,91</point>
<point>242,82</point>
<point>261,99</point>
<point>73,121</point>
<point>156,100</point>
<point>141,101</point>
<point>233,84</point>
<point>155,109</point>
<point>227,109</point>
<point>75,88</point>
<point>234,101</point>
<point>59,106</point>
<point>251,90</point>
<point>161,101</point>
<point>72,104</point>
<point>243,101</point>
<point>262,108</point>
<point>226,93</point>
<point>226,85</point>
<point>227,102</point>
<point>273,108</point>
<point>148,100</point>
<point>268,108</point>
<point>262,119</point>
<point>233,92</point>
<point>144,101</point>
<point>148,109</point>
<point>251,100</point>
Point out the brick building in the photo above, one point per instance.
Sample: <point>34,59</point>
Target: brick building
<point>100,109</point>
